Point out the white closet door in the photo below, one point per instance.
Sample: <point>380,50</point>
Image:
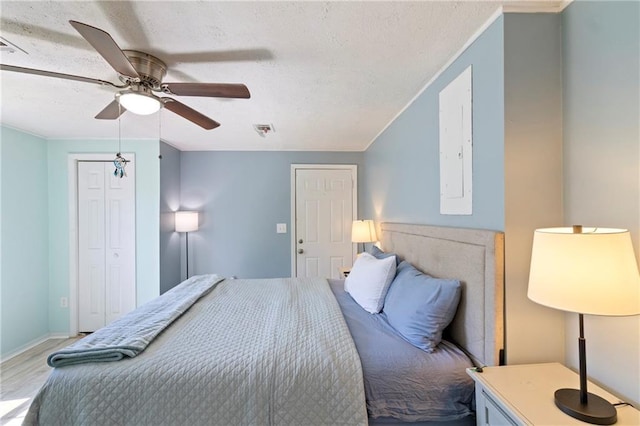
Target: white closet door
<point>91,250</point>
<point>324,211</point>
<point>106,244</point>
<point>120,253</point>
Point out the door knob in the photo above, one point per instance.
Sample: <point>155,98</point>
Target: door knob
<point>300,241</point>
<point>300,251</point>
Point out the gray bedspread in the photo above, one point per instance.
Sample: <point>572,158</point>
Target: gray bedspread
<point>131,334</point>
<point>250,352</point>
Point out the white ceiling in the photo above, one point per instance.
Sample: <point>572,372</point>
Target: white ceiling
<point>327,75</point>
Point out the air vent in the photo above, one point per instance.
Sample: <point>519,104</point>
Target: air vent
<point>7,47</point>
<point>263,129</point>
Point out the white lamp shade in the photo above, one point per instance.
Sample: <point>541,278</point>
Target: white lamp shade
<point>363,231</point>
<point>186,221</point>
<point>593,272</point>
<point>139,103</point>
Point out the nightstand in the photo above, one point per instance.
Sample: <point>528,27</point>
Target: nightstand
<point>343,272</point>
<point>523,395</point>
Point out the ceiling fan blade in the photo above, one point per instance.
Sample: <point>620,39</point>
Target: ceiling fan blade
<point>189,113</point>
<point>214,90</point>
<point>107,47</point>
<point>4,67</point>
<point>111,111</point>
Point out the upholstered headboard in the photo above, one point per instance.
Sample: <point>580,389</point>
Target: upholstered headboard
<point>476,258</point>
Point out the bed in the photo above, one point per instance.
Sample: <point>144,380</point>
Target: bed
<point>283,351</point>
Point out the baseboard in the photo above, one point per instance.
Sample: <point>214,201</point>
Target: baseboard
<point>59,336</point>
<point>32,344</point>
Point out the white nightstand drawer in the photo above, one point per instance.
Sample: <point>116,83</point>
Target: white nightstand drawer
<point>493,414</point>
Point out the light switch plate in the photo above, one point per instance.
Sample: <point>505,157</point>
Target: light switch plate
<point>281,228</point>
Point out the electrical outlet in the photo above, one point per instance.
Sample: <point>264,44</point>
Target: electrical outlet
<point>64,302</point>
<point>281,228</point>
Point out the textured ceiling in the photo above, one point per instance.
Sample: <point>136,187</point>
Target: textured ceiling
<point>326,75</point>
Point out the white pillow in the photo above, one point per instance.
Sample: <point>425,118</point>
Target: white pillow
<point>369,281</point>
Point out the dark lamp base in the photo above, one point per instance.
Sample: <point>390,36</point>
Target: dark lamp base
<point>597,410</point>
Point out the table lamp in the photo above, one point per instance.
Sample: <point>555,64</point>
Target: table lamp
<point>587,271</point>
<point>363,231</point>
<point>186,222</point>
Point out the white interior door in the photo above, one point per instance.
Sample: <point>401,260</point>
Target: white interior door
<point>106,244</point>
<point>324,210</point>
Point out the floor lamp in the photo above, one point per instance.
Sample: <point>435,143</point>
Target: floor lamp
<point>186,222</point>
<point>591,271</point>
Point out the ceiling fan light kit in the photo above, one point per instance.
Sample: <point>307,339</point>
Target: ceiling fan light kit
<point>139,102</point>
<point>142,75</point>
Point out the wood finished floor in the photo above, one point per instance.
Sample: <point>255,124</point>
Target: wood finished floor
<point>22,376</point>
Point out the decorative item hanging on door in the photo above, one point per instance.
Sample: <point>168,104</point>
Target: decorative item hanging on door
<point>120,162</point>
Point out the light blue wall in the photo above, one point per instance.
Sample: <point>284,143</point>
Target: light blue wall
<point>147,219</point>
<point>532,176</point>
<point>241,196</point>
<point>401,181</point>
<point>1,244</point>
<point>601,45</point>
<point>25,267</point>
<point>169,203</point>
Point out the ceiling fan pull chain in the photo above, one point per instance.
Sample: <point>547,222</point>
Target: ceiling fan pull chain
<point>120,162</point>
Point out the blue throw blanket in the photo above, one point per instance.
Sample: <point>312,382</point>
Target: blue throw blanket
<point>130,335</point>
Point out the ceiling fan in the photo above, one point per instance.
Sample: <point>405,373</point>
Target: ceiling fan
<point>141,74</point>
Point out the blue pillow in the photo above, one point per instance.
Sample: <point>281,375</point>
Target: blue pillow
<point>420,307</point>
<point>379,254</point>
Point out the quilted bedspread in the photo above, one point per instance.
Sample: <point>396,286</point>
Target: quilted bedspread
<point>251,352</point>
<point>131,334</point>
